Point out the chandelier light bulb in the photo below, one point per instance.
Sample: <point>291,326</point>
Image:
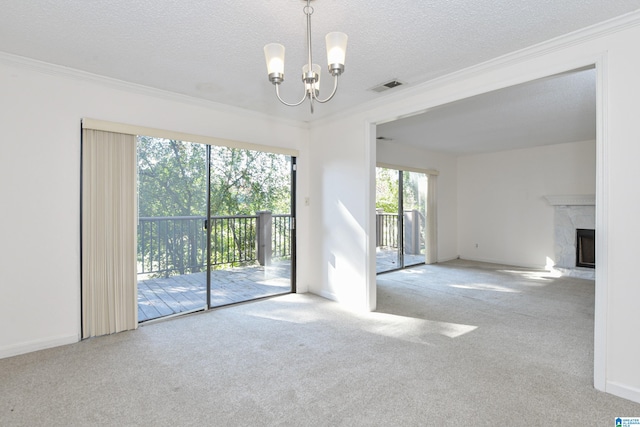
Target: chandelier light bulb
<point>274,54</point>
<point>336,48</point>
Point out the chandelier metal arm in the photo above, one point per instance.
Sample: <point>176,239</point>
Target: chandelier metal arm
<point>285,102</point>
<point>335,88</point>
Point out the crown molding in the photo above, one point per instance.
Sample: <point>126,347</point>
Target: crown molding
<point>611,26</point>
<point>75,74</point>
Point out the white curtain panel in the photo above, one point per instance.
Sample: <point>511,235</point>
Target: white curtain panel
<point>431,230</point>
<point>109,219</point>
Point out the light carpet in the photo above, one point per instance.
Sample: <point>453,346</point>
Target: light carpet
<point>458,343</point>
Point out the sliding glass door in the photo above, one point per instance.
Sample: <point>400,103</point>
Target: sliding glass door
<point>401,209</point>
<point>387,220</point>
<point>172,206</point>
<point>414,213</point>
<point>215,226</point>
<point>251,225</point>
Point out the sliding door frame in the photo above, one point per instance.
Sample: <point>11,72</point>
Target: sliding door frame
<point>207,222</point>
<point>293,227</point>
<point>430,174</point>
<point>400,228</point>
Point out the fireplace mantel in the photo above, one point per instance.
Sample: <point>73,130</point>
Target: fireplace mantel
<point>572,200</point>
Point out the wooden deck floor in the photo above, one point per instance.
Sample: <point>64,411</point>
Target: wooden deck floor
<point>179,294</point>
<point>387,259</point>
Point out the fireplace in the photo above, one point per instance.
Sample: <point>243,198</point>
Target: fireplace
<point>571,213</point>
<point>585,248</point>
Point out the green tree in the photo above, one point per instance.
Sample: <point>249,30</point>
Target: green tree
<point>244,182</point>
<point>387,190</point>
<point>414,187</point>
<point>171,178</point>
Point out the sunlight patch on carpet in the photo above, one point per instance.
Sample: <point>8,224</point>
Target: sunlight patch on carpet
<point>485,287</point>
<point>413,329</point>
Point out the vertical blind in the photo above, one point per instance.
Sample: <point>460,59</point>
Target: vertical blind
<point>109,284</point>
<point>431,230</point>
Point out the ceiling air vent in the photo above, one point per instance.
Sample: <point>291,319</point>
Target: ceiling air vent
<point>386,86</point>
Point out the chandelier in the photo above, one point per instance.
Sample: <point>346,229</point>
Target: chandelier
<point>336,50</point>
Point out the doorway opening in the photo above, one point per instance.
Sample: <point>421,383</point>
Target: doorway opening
<point>465,128</point>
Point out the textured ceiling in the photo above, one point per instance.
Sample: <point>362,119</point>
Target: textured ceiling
<point>213,49</point>
<point>553,110</point>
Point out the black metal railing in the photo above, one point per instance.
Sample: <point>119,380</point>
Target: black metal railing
<point>233,239</point>
<point>171,244</point>
<point>281,236</point>
<point>386,230</point>
<point>177,245</point>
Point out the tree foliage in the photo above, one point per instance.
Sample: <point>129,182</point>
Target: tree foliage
<point>387,187</point>
<point>387,190</point>
<point>172,180</point>
<point>244,182</point>
<point>414,190</point>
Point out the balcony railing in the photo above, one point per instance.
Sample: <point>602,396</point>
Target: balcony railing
<point>177,244</point>
<point>387,231</point>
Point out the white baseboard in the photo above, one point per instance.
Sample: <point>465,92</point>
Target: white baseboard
<point>351,305</point>
<point>28,347</point>
<point>503,262</point>
<point>447,259</point>
<point>326,294</point>
<point>624,391</point>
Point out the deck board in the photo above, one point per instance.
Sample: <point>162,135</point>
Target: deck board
<point>158,297</point>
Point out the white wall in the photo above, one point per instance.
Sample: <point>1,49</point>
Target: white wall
<point>447,201</point>
<point>621,175</point>
<point>501,200</point>
<point>340,198</point>
<point>40,111</point>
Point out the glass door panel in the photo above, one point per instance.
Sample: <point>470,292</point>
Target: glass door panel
<point>387,224</point>
<point>251,250</point>
<point>171,238</point>
<point>414,203</point>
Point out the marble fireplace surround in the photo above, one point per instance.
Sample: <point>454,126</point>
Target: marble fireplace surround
<point>570,213</point>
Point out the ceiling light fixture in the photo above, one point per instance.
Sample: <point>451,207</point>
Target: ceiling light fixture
<point>336,50</point>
